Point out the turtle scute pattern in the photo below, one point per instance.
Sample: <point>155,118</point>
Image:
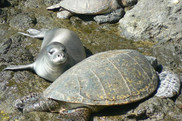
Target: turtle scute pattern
<point>107,78</point>
<point>89,6</point>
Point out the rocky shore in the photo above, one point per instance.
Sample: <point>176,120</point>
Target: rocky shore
<point>151,27</point>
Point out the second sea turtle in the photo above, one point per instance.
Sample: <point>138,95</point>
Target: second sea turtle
<point>105,10</point>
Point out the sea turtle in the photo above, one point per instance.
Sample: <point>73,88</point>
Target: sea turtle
<point>61,49</point>
<point>105,10</point>
<point>105,79</point>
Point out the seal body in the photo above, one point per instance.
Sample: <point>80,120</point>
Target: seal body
<point>60,50</point>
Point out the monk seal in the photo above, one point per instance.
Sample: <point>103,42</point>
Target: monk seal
<point>60,50</point>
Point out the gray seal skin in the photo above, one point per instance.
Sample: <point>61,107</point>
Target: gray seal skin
<point>116,77</point>
<point>60,50</point>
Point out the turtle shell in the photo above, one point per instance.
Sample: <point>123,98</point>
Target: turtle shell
<point>89,6</point>
<point>108,78</point>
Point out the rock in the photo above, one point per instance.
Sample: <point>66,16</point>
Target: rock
<point>152,20</point>
<point>13,2</point>
<point>12,84</point>
<point>1,3</point>
<point>19,15</point>
<point>156,109</point>
<point>151,109</point>
<point>178,101</point>
<point>50,2</point>
<point>3,31</point>
<point>3,16</point>
<point>128,3</point>
<point>12,51</point>
<point>32,4</point>
<point>22,21</point>
<point>158,21</point>
<point>169,54</point>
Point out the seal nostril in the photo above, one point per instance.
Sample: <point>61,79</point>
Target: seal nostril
<point>63,55</point>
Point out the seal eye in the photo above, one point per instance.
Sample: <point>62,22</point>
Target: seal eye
<point>51,51</point>
<point>64,49</point>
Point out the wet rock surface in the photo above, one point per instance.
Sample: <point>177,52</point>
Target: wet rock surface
<point>156,109</point>
<point>158,21</point>
<point>16,49</point>
<point>22,21</point>
<point>153,20</point>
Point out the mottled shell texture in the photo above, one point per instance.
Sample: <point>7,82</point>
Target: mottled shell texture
<point>108,78</point>
<point>89,6</point>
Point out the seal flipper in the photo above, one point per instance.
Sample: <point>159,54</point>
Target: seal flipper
<point>34,33</point>
<point>20,67</point>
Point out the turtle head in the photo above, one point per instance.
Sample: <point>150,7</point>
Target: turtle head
<point>57,53</point>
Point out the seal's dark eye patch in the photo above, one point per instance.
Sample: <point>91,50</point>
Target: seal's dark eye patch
<point>64,49</point>
<point>51,51</point>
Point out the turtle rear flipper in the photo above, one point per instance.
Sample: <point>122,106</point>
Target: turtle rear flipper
<point>78,114</point>
<point>169,85</point>
<point>114,16</point>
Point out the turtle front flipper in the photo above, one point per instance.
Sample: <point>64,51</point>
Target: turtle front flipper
<point>169,85</point>
<point>35,102</point>
<point>114,16</point>
<point>34,33</point>
<point>20,67</point>
<point>78,114</point>
<point>54,6</point>
<point>63,14</point>
<point>20,103</point>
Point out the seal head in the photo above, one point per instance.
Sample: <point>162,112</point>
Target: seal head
<point>52,61</point>
<point>57,53</point>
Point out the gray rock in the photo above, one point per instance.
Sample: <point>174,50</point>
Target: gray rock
<point>158,21</point>
<point>153,61</point>
<point>3,16</point>
<point>152,20</point>
<point>169,54</point>
<point>1,3</point>
<point>16,49</point>
<point>3,30</point>
<point>128,3</point>
<point>22,21</point>
<point>14,2</point>
<point>12,50</point>
<point>32,3</point>
<point>50,2</point>
<point>155,109</point>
